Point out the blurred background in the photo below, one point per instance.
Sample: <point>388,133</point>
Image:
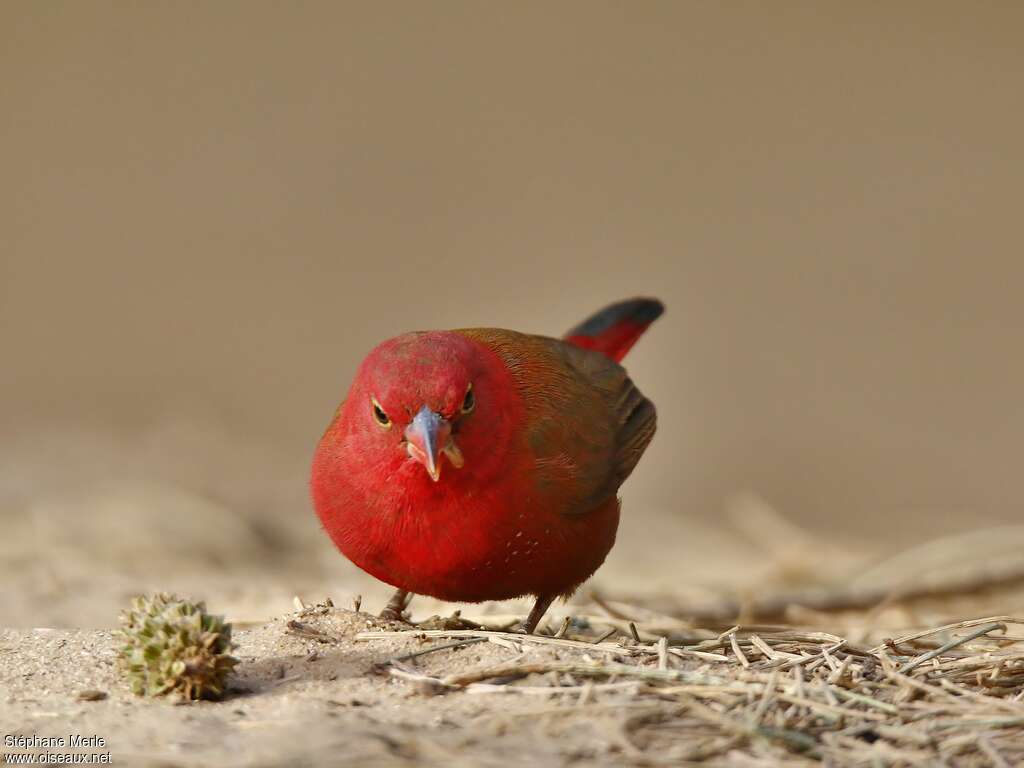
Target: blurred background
<point>210,212</point>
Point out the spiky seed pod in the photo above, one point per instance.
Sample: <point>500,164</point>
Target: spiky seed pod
<point>174,645</point>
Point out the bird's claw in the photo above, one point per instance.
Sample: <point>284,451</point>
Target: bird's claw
<point>395,609</point>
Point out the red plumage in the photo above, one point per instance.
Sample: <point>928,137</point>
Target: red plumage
<point>483,464</point>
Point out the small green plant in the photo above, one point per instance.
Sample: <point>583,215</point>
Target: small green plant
<point>173,645</point>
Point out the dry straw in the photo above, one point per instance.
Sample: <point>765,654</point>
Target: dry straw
<point>948,695</point>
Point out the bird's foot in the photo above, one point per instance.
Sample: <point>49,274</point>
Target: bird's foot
<point>395,609</point>
<point>529,624</point>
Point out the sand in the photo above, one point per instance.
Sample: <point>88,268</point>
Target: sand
<point>325,685</point>
<point>296,701</point>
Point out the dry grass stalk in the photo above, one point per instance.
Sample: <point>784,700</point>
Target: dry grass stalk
<point>944,695</point>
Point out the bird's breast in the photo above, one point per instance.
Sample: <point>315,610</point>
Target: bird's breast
<point>483,544</point>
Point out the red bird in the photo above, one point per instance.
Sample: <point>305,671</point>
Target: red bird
<point>483,464</point>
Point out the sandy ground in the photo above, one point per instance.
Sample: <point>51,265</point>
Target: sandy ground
<point>296,701</point>
<point>237,532</point>
<point>312,688</point>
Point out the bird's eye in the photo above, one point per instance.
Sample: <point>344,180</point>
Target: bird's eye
<point>378,414</point>
<point>469,401</point>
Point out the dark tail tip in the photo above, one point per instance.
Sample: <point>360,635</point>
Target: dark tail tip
<point>641,311</point>
<point>613,330</point>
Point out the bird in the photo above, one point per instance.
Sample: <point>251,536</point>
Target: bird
<point>484,464</point>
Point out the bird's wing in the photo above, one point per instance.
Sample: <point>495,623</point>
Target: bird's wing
<point>633,416</point>
<point>586,423</point>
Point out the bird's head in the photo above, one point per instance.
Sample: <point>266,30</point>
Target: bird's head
<point>431,405</point>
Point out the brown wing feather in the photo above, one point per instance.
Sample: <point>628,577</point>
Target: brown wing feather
<point>634,416</point>
<point>586,422</point>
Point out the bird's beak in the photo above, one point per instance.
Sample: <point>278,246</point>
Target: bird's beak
<point>427,437</point>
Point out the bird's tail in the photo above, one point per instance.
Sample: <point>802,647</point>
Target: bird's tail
<point>615,329</point>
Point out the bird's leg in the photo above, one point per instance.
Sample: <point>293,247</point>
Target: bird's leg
<point>539,609</point>
<point>396,606</point>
